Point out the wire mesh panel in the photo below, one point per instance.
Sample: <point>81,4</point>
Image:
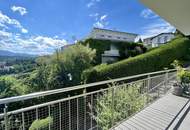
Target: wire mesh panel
<point>15,121</point>
<point>29,118</point>
<point>65,115</point>
<point>89,110</point>
<point>81,111</point>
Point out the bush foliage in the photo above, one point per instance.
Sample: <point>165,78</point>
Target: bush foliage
<point>153,60</point>
<point>10,86</point>
<point>126,101</point>
<point>41,124</point>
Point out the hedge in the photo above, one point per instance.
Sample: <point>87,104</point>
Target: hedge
<point>151,61</point>
<point>103,45</point>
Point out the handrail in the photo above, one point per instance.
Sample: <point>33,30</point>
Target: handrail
<point>69,98</point>
<point>84,86</point>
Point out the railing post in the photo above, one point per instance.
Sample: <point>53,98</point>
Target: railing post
<point>49,114</point>
<point>69,104</point>
<point>37,116</point>
<point>77,113</point>
<point>6,118</point>
<point>84,92</point>
<point>23,122</point>
<point>91,112</point>
<point>60,116</point>
<point>148,87</point>
<point>166,81</point>
<point>97,99</point>
<point>112,107</point>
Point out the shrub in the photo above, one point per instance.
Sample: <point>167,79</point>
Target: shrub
<point>183,77</point>
<point>10,86</point>
<point>154,60</point>
<point>41,124</point>
<point>127,101</point>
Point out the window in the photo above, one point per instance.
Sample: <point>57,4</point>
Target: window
<point>159,39</point>
<point>109,36</point>
<point>165,39</point>
<point>102,35</point>
<point>118,37</point>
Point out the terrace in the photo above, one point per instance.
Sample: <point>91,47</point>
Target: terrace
<point>79,107</point>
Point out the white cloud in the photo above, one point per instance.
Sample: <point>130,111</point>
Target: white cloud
<point>21,10</point>
<point>31,45</point>
<point>103,17</point>
<point>148,14</point>
<point>99,24</point>
<point>63,33</point>
<point>4,34</point>
<point>101,21</point>
<point>16,42</point>
<point>24,30</point>
<point>157,27</point>
<point>6,21</point>
<point>94,15</point>
<point>92,3</point>
<point>50,42</point>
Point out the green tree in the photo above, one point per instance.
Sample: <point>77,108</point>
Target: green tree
<point>10,86</point>
<point>62,69</point>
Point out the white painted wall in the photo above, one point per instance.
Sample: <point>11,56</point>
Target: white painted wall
<point>111,35</point>
<point>159,40</point>
<point>163,38</point>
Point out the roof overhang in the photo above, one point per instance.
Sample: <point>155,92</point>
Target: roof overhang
<point>176,12</point>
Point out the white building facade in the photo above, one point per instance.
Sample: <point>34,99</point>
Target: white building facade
<point>159,39</point>
<point>112,55</point>
<point>105,34</point>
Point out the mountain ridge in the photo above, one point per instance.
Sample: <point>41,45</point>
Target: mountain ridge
<point>13,54</point>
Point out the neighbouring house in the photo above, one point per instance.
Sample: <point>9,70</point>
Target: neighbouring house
<point>2,65</point>
<point>106,34</point>
<point>112,55</point>
<point>159,39</point>
<point>66,46</point>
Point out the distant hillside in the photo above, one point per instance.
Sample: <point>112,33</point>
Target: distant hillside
<point>12,54</point>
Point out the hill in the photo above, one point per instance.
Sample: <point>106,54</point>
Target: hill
<point>13,54</point>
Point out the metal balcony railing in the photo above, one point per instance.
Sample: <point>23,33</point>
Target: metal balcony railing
<point>85,107</point>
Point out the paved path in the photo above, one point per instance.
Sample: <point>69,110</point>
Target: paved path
<point>161,115</point>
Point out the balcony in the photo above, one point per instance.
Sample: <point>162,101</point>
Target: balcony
<point>100,106</point>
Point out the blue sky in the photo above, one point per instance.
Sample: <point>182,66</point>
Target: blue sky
<point>41,26</point>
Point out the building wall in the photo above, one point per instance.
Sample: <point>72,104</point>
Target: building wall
<point>111,55</point>
<point>111,35</point>
<point>163,38</point>
<point>147,41</point>
<point>159,40</point>
<point>109,59</point>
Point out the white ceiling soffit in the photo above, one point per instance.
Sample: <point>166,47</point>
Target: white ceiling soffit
<point>176,12</point>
